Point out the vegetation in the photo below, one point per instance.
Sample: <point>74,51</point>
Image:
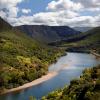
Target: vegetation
<point>87,87</point>
<point>22,59</point>
<point>92,41</point>
<point>83,42</point>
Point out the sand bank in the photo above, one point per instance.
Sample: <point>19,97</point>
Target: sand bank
<point>33,83</point>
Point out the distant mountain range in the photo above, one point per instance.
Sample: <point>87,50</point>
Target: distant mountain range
<point>48,33</point>
<point>82,29</point>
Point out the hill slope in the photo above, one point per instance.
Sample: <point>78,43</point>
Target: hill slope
<point>22,59</point>
<point>84,41</point>
<point>91,41</point>
<point>4,25</point>
<point>48,34</point>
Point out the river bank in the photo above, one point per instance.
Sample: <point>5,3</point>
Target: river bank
<point>95,54</point>
<point>33,83</point>
<point>68,67</point>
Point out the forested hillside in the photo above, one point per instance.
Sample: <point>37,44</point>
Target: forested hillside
<point>90,42</point>
<point>22,59</point>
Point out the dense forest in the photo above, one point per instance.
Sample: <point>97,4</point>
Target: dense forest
<point>22,59</point>
<point>87,87</point>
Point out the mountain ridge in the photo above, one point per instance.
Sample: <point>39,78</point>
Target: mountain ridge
<point>48,33</point>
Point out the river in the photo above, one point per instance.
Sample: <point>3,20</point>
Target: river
<point>68,67</point>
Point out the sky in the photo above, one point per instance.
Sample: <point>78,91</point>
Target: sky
<point>73,13</point>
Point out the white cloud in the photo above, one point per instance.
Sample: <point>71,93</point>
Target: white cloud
<point>53,19</point>
<point>89,3</point>
<point>63,5</point>
<point>26,11</point>
<point>9,7</point>
<point>3,14</point>
<point>47,18</point>
<point>59,12</point>
<point>9,3</point>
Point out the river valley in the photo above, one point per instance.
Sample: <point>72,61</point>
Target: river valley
<point>68,67</point>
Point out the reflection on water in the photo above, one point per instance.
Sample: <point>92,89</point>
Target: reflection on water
<point>69,67</point>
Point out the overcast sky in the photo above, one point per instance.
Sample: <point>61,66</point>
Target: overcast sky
<point>51,12</point>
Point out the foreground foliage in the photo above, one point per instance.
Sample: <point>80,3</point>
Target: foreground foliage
<point>87,87</point>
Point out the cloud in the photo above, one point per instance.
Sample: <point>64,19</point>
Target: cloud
<point>89,3</point>
<point>9,7</point>
<point>3,14</point>
<point>53,19</point>
<point>26,11</point>
<point>63,5</point>
<point>58,13</point>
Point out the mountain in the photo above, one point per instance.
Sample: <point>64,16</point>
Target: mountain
<point>90,41</point>
<point>82,42</point>
<point>64,31</point>
<point>22,59</point>
<point>48,33</point>
<point>82,29</point>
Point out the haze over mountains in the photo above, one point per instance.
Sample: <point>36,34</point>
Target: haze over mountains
<point>83,29</point>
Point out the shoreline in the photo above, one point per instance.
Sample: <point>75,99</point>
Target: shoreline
<point>40,80</point>
<point>95,54</point>
<point>33,83</point>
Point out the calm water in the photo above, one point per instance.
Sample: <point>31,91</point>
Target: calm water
<point>68,67</point>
